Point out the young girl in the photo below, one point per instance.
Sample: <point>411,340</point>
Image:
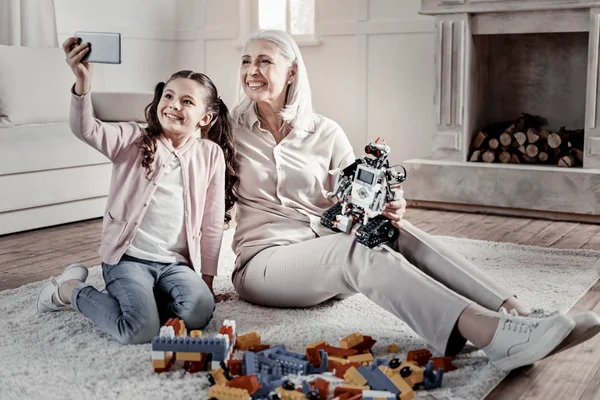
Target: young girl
<point>169,196</point>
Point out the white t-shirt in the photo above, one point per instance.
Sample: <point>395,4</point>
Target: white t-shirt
<point>161,236</point>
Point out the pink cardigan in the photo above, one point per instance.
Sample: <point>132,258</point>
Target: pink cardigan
<point>203,169</point>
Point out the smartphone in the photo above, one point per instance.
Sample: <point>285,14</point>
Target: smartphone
<point>105,47</point>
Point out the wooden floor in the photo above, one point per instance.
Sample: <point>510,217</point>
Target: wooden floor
<point>573,374</point>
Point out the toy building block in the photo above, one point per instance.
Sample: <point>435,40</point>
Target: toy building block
<point>235,367</point>
<point>361,358</point>
<point>258,347</point>
<point>410,372</point>
<point>393,348</point>
<point>178,326</point>
<point>377,395</point>
<point>341,369</point>
<point>420,356</point>
<point>316,344</point>
<point>248,340</point>
<point>445,363</point>
<point>337,351</point>
<point>406,389</point>
<point>377,380</point>
<point>334,362</point>
<point>352,390</point>
<point>313,356</point>
<point>366,345</point>
<point>353,377</point>
<point>188,356</point>
<point>248,382</point>
<point>351,340</point>
<point>196,333</point>
<point>322,386</point>
<point>194,366</point>
<point>221,392</point>
<point>431,379</point>
<point>218,376</point>
<point>290,394</point>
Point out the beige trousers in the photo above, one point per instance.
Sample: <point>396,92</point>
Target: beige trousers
<point>418,278</point>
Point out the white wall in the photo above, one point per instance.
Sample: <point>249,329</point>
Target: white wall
<point>148,29</point>
<point>372,72</point>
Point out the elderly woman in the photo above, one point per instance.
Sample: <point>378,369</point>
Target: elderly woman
<point>285,258</point>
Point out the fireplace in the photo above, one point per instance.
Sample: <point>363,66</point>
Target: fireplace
<point>497,59</point>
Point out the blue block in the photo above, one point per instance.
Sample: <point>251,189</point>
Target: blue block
<point>377,380</point>
<point>322,368</point>
<point>249,364</point>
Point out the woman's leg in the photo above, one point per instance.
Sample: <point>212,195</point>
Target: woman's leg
<point>185,295</point>
<point>447,266</point>
<point>305,274</point>
<point>128,310</point>
<point>308,273</point>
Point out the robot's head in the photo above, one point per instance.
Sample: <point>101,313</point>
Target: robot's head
<point>377,150</point>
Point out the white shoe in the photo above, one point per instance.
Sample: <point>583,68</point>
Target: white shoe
<point>520,341</point>
<point>587,325</point>
<point>45,302</point>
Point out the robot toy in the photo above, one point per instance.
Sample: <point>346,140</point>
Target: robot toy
<point>363,189</point>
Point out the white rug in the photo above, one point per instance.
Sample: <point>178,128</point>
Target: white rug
<point>63,356</point>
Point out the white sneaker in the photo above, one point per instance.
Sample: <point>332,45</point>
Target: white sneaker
<point>520,341</point>
<point>587,325</point>
<point>44,299</point>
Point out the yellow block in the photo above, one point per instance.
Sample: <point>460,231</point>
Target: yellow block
<point>393,348</point>
<point>223,392</point>
<point>315,344</point>
<point>185,356</point>
<point>196,333</point>
<point>361,358</point>
<point>353,377</point>
<point>351,340</point>
<point>159,363</point>
<point>219,376</point>
<point>290,394</point>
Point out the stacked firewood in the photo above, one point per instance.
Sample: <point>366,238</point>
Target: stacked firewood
<point>527,140</point>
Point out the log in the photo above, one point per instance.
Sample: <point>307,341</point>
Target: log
<point>578,154</point>
<point>511,129</point>
<point>488,157</point>
<point>479,139</point>
<point>522,149</point>
<point>530,160</point>
<point>506,139</point>
<point>521,138</point>
<point>532,150</point>
<point>494,144</point>
<point>554,140</point>
<point>543,133</point>
<point>476,156</point>
<point>566,162</point>
<point>514,159</point>
<point>543,156</point>
<point>532,135</point>
<point>504,157</point>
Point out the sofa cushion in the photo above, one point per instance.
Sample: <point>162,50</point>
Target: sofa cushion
<point>41,147</point>
<point>34,85</point>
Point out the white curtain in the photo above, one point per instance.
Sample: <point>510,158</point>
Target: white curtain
<point>29,23</point>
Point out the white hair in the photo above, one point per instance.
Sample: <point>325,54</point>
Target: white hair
<point>297,110</point>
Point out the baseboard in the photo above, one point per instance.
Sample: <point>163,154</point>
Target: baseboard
<point>506,211</point>
<point>53,214</point>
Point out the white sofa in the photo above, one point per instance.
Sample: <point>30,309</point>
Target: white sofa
<point>47,175</point>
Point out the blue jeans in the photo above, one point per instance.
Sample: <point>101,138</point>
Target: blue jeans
<point>141,296</point>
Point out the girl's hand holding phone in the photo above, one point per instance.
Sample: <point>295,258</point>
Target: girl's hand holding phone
<point>75,52</point>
